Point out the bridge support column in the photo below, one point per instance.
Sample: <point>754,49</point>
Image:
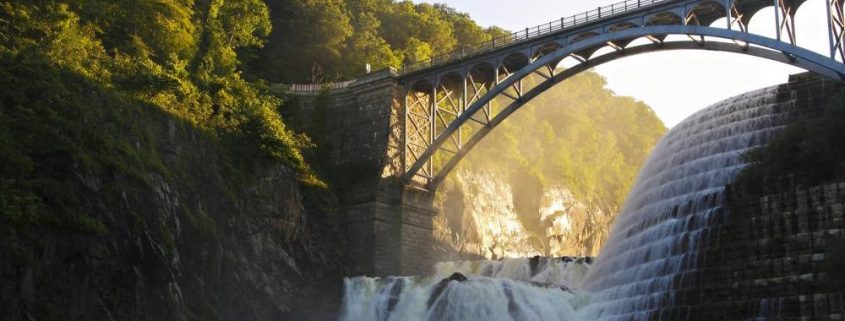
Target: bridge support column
<point>388,227</point>
<point>393,234</point>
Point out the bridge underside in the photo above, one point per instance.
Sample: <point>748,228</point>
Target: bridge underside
<point>451,107</point>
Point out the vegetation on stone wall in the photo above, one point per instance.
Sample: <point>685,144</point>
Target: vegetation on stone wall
<point>810,149</point>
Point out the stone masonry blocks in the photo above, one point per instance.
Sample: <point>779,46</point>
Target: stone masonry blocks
<point>389,227</point>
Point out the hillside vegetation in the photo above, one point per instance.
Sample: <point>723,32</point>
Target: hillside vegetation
<point>578,135</point>
<point>77,74</point>
<point>327,40</point>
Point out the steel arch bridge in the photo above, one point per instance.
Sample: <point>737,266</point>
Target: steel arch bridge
<point>448,105</point>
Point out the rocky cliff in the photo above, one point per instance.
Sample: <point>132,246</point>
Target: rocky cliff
<point>485,215</point>
<point>200,238</point>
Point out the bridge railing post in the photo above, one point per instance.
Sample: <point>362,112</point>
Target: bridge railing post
<point>830,29</point>
<point>777,18</point>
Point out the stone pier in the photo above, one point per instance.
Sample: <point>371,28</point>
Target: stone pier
<point>389,226</point>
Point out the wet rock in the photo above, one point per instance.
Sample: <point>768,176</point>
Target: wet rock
<point>455,277</point>
<point>438,291</point>
<point>513,308</point>
<point>395,292</point>
<point>534,263</point>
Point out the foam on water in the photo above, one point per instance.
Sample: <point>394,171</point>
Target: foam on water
<point>563,272</point>
<point>514,289</point>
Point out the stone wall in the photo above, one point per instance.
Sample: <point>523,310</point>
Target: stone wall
<point>770,259</point>
<point>389,227</point>
<point>767,253</point>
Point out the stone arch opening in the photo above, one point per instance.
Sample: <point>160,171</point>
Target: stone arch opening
<point>664,19</point>
<point>705,13</point>
<point>582,37</point>
<point>545,49</point>
<point>511,63</point>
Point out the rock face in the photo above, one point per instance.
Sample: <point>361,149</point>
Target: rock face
<point>204,243</point>
<point>482,215</point>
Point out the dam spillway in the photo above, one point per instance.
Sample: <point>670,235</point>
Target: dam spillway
<point>677,198</point>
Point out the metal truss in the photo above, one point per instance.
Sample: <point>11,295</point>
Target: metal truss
<point>449,108</point>
<point>836,32</point>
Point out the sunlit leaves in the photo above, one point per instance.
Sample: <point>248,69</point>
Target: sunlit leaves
<point>341,37</point>
<point>577,135</point>
<point>179,55</point>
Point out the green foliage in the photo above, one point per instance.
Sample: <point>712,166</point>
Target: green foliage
<point>52,135</point>
<point>810,149</point>
<point>325,40</point>
<point>178,55</point>
<point>76,72</point>
<point>578,135</point>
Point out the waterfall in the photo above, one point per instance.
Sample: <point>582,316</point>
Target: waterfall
<point>653,247</point>
<point>515,289</point>
<point>567,272</point>
<point>652,251</point>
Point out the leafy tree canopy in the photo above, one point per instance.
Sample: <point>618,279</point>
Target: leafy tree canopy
<point>327,40</point>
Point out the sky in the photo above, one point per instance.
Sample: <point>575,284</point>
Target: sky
<point>675,84</point>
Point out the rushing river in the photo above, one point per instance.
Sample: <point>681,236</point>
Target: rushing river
<point>652,250</point>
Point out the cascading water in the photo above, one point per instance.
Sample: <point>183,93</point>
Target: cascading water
<point>567,272</point>
<point>653,247</point>
<point>515,289</point>
<point>652,250</point>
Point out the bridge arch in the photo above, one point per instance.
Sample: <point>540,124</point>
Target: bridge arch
<point>511,86</point>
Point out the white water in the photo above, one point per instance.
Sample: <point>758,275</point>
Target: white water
<point>560,272</point>
<point>495,290</point>
<point>652,250</point>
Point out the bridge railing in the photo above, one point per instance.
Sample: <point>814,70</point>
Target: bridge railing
<point>316,88</point>
<point>530,33</point>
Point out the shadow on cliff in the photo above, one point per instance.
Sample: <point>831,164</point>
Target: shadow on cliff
<point>113,209</point>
